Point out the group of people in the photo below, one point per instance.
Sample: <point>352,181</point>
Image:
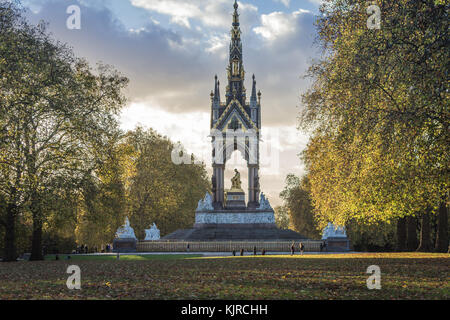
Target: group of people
<point>263,251</point>
<point>301,247</point>
<point>83,249</point>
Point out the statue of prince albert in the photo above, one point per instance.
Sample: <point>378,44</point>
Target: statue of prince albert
<point>236,180</point>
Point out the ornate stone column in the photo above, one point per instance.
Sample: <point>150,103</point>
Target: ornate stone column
<point>253,186</point>
<point>218,188</point>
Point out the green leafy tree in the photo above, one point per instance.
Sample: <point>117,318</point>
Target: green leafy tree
<point>282,219</point>
<point>55,113</point>
<point>160,191</point>
<point>378,110</point>
<point>297,201</point>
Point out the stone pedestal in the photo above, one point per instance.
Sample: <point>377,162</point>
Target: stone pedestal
<point>235,199</point>
<point>124,245</point>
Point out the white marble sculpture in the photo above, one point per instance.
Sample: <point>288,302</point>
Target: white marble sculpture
<point>205,204</point>
<point>264,203</point>
<point>152,233</point>
<point>331,231</point>
<point>126,231</point>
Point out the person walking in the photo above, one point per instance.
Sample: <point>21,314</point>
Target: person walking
<point>254,250</point>
<point>242,252</point>
<point>292,249</point>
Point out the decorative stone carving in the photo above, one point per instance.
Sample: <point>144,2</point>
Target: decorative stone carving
<point>205,204</point>
<point>235,218</point>
<point>331,231</point>
<point>152,233</point>
<point>264,203</point>
<point>126,231</point>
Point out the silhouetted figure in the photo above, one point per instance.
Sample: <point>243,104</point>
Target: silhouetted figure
<point>302,248</point>
<point>292,249</point>
<point>254,250</point>
<point>263,252</point>
<point>188,247</point>
<point>242,252</point>
<point>321,247</point>
<point>57,257</point>
<point>234,253</point>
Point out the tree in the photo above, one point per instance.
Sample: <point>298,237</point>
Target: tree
<point>378,111</point>
<point>159,191</point>
<point>297,199</point>
<point>282,219</point>
<point>58,113</point>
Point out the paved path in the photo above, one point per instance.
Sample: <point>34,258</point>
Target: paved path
<point>214,254</point>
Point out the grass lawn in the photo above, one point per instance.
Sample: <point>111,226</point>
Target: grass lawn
<point>403,276</point>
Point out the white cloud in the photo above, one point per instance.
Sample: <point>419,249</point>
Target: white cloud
<point>285,2</point>
<point>278,24</point>
<point>210,13</point>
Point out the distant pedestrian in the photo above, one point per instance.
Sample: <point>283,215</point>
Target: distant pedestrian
<point>325,246</point>
<point>321,247</point>
<point>292,249</point>
<point>234,253</point>
<point>188,247</point>
<point>263,251</point>
<point>302,248</point>
<point>254,250</point>
<point>57,257</point>
<point>242,252</point>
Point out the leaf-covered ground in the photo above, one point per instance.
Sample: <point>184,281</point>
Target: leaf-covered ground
<point>403,276</point>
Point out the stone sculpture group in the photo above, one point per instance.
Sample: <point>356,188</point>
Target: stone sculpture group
<point>127,232</point>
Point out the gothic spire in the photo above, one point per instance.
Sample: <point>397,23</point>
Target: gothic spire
<point>236,74</point>
<point>253,99</point>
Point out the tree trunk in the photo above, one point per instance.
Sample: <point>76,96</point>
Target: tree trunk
<point>411,237</point>
<point>10,234</point>
<point>401,234</point>
<point>425,233</point>
<point>442,233</point>
<point>36,242</point>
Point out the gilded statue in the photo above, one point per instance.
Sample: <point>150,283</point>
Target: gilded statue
<point>236,180</point>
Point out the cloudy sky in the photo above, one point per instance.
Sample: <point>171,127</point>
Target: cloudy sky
<point>171,50</point>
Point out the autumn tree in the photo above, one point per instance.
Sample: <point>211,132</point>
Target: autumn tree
<point>378,112</point>
<point>159,190</point>
<point>55,112</point>
<point>297,201</point>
